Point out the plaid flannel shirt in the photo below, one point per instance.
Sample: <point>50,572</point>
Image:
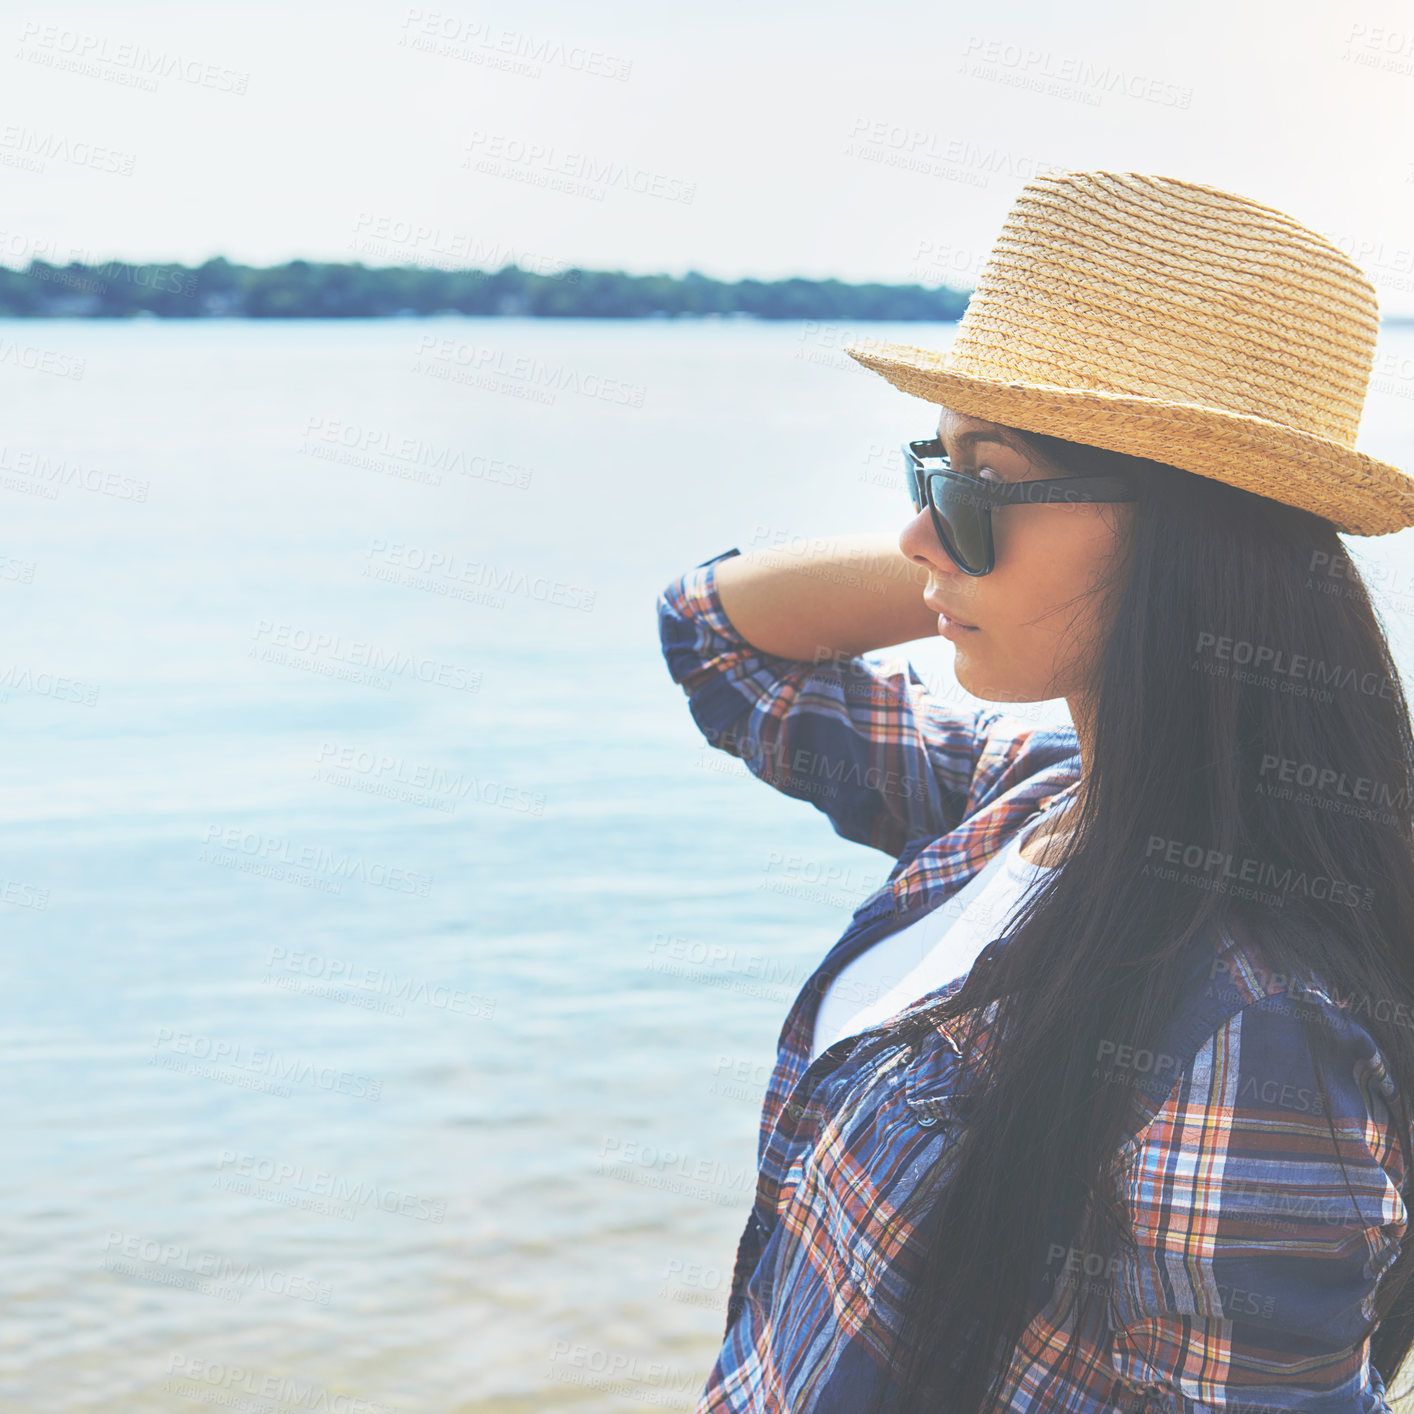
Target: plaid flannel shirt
<point>1254,1283</point>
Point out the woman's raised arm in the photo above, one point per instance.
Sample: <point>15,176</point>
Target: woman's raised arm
<point>849,594</point>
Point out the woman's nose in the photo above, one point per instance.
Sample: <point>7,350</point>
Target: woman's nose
<point>919,541</point>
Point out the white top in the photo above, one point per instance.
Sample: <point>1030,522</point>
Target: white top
<point>928,953</point>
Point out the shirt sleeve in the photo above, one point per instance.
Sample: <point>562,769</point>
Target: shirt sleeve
<point>863,742</point>
<point>1255,1282</point>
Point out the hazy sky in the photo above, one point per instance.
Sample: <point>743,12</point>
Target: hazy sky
<point>739,139</point>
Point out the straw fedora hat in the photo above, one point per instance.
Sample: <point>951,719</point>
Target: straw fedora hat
<point>1177,322</point>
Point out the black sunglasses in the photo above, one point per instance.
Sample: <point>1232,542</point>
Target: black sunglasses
<point>962,505</point>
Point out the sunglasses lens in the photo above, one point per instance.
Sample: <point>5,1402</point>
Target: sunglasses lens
<point>961,520</point>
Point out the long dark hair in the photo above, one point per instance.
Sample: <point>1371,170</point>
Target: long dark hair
<point>1181,752</point>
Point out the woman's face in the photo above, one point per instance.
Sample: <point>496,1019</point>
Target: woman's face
<point>1032,616</point>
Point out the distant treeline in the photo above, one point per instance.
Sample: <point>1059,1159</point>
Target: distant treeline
<point>304,289</point>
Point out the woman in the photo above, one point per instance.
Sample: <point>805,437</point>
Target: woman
<point>1123,1120</point>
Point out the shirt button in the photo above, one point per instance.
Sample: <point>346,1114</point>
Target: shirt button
<point>925,1117</point>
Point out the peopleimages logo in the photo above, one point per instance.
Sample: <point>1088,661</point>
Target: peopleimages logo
<point>342,973</point>
<point>1297,673</point>
<point>1326,780</point>
<point>56,472</point>
<point>18,678</point>
<point>333,439</point>
<point>38,360</point>
<point>462,360</point>
<point>1164,856</point>
<point>1069,76</point>
<point>97,56</point>
<point>436,32</point>
<point>175,1264</point>
<point>276,850</point>
<point>355,659</point>
<point>24,147</point>
<point>279,1180</point>
<point>419,243</point>
<point>230,1386</point>
<point>455,575</point>
<point>216,1059</point>
<point>589,172</point>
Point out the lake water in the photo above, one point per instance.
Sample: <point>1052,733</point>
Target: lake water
<point>393,976</point>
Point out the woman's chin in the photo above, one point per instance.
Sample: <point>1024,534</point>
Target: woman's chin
<point>965,671</point>
<point>973,678</point>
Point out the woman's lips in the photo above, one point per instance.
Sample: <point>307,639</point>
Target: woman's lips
<point>950,628</point>
<point>945,620</point>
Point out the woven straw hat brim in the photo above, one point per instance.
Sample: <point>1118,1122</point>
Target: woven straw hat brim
<point>1359,494</point>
